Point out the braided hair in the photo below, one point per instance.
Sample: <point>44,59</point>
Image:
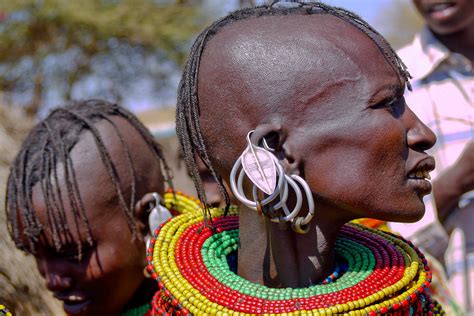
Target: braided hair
<point>50,143</point>
<point>187,113</point>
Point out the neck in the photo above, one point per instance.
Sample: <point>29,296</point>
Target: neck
<point>282,257</point>
<point>461,42</point>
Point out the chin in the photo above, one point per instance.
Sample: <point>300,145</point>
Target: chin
<point>412,215</point>
<point>408,213</point>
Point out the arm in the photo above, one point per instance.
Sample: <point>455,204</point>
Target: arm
<point>453,182</point>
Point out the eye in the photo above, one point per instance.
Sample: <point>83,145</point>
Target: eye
<point>71,253</point>
<point>396,106</point>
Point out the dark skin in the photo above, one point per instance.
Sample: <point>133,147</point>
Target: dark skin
<point>452,25</point>
<point>323,96</point>
<point>109,278</point>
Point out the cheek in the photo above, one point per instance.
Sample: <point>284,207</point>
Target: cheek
<point>360,166</point>
<point>114,274</point>
<point>115,259</point>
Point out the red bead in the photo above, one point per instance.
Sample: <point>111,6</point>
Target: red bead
<point>372,313</point>
<point>383,310</point>
<point>405,303</point>
<point>396,306</point>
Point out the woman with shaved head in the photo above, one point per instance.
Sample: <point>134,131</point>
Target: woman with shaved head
<point>300,108</point>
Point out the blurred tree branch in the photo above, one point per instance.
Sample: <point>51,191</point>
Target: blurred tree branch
<point>34,34</point>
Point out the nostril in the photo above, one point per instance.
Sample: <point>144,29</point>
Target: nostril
<point>57,283</point>
<point>420,136</point>
<point>423,146</point>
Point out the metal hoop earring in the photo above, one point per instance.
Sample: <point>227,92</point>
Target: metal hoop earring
<point>263,169</point>
<point>267,175</point>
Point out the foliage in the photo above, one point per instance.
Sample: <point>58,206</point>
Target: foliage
<point>55,46</point>
<point>399,22</point>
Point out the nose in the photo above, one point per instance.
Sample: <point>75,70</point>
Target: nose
<point>58,283</point>
<point>419,137</point>
<point>55,274</point>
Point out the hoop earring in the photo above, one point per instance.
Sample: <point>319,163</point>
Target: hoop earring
<point>267,175</point>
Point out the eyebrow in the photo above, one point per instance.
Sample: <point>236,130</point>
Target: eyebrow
<point>394,92</point>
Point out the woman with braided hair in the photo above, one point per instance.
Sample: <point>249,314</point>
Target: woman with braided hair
<point>299,107</point>
<point>78,199</point>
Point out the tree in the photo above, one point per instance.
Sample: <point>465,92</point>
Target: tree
<point>56,47</point>
<point>398,22</point>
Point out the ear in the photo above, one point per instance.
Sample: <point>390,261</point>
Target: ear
<point>141,213</point>
<point>276,139</point>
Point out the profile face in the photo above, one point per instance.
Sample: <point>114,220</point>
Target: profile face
<point>340,106</point>
<point>111,270</point>
<point>446,17</point>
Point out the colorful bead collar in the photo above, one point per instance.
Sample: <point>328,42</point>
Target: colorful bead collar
<point>385,274</point>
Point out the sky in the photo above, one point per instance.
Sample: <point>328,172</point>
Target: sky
<point>367,9</point>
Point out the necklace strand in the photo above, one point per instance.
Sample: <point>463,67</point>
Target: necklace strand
<point>385,274</point>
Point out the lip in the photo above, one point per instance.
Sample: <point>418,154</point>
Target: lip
<point>440,10</point>
<point>74,309</point>
<point>74,303</point>
<point>425,164</point>
<point>421,186</point>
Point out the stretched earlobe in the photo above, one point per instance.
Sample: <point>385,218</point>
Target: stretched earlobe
<point>271,184</point>
<point>273,138</point>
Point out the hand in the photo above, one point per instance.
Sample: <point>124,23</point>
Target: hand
<point>453,182</point>
<point>465,169</point>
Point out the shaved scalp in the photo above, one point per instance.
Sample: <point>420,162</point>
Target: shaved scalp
<point>50,144</point>
<point>257,55</point>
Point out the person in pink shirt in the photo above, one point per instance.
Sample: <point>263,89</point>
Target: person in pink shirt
<point>440,59</point>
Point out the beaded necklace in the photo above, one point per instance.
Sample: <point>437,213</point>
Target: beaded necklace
<point>385,274</point>
<point>143,310</point>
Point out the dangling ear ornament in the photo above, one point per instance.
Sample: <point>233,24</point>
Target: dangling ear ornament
<point>267,175</point>
<point>262,168</point>
<point>159,214</point>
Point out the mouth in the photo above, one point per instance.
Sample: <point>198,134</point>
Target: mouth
<point>75,303</point>
<point>419,177</point>
<point>440,9</point>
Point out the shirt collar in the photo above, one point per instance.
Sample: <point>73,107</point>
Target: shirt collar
<point>431,54</point>
<point>432,50</point>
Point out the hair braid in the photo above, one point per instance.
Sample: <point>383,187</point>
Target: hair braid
<point>187,112</point>
<point>46,148</point>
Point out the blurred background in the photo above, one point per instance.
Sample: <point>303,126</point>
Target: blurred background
<point>128,51</point>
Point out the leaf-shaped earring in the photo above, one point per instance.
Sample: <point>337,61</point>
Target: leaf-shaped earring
<point>263,169</point>
<point>266,174</point>
<point>259,167</point>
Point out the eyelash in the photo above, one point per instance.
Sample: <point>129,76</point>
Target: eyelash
<point>386,104</point>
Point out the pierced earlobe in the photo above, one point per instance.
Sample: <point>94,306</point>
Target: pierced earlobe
<point>265,172</point>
